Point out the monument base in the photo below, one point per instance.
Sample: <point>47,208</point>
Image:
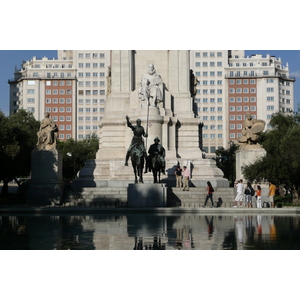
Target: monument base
<point>113,173</point>
<point>247,155</point>
<point>46,184</point>
<point>147,195</point>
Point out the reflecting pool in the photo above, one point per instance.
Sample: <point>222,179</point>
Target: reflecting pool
<point>150,232</point>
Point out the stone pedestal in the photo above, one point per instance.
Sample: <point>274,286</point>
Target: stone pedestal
<point>147,195</point>
<point>46,184</point>
<point>246,155</point>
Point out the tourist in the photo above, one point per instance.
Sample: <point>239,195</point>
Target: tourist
<point>240,194</point>
<point>272,192</point>
<point>249,192</point>
<point>186,177</point>
<point>258,195</point>
<point>210,226</point>
<point>178,174</point>
<point>209,190</point>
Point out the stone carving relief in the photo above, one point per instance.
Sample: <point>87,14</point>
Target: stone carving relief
<point>251,130</point>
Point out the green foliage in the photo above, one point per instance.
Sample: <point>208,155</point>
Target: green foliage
<point>76,153</point>
<point>17,140</point>
<point>281,163</point>
<point>225,160</point>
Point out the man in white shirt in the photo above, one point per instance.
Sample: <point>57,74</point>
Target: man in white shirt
<point>240,194</point>
<point>186,177</point>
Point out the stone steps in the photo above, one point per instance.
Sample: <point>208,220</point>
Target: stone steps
<point>175,196</point>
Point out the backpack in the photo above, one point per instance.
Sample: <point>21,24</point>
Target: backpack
<point>220,201</point>
<point>252,191</point>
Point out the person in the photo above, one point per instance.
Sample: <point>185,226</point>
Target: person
<point>137,139</point>
<point>209,191</point>
<point>248,193</point>
<point>272,192</point>
<point>258,195</point>
<point>178,174</point>
<point>151,87</point>
<point>240,193</point>
<point>159,150</point>
<point>186,177</point>
<point>47,135</point>
<point>210,226</point>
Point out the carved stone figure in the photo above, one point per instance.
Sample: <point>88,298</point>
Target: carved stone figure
<point>108,80</point>
<point>251,130</point>
<point>151,87</point>
<point>47,135</point>
<point>193,84</point>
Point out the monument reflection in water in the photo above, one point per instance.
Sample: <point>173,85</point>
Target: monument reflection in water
<point>150,231</point>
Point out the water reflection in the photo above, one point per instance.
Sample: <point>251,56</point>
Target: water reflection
<point>150,232</point>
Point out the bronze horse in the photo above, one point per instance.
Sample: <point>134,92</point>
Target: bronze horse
<point>137,160</point>
<point>156,167</point>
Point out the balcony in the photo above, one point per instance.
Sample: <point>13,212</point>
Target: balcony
<point>15,80</point>
<point>256,75</point>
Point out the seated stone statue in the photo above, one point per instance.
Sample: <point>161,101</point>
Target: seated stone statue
<point>47,135</point>
<point>151,87</point>
<point>251,130</point>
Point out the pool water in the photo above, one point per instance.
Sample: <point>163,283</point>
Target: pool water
<point>150,232</point>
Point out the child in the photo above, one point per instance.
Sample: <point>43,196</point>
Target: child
<point>258,194</point>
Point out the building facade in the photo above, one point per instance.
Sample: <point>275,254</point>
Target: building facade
<point>92,67</point>
<point>74,87</point>
<point>47,85</point>
<point>230,85</point>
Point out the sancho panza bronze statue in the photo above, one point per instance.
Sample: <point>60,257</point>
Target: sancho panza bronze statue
<point>157,154</point>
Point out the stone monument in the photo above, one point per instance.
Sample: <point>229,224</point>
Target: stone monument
<point>46,184</point>
<point>155,87</point>
<point>250,150</point>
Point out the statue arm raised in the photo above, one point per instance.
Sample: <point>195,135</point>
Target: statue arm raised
<point>128,123</point>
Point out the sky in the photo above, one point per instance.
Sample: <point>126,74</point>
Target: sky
<point>9,59</point>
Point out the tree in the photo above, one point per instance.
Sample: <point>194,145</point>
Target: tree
<point>281,163</point>
<point>225,160</point>
<point>76,153</point>
<point>17,140</point>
